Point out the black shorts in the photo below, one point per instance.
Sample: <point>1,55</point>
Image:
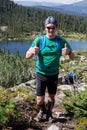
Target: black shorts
<point>43,82</point>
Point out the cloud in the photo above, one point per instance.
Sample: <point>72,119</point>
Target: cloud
<point>54,1</point>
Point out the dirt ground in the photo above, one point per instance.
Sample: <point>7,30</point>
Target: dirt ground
<point>61,119</point>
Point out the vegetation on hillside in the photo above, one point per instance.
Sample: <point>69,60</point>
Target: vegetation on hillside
<point>14,70</point>
<point>23,22</point>
<point>76,105</point>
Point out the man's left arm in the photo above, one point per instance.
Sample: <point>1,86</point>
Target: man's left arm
<point>71,54</point>
<point>68,51</point>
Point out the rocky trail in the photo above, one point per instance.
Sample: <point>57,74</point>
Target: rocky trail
<point>61,120</point>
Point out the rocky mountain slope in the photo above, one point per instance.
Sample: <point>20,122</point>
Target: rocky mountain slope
<point>24,95</point>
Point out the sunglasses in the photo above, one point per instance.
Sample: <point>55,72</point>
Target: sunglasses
<point>53,28</point>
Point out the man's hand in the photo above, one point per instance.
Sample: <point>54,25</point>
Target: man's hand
<point>32,51</point>
<point>65,50</point>
<point>35,49</point>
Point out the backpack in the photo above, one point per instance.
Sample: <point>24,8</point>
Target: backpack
<point>43,42</point>
<point>73,75</point>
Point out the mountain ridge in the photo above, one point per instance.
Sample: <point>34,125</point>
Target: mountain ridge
<point>78,8</point>
<point>34,3</point>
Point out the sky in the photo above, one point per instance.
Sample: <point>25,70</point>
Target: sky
<point>54,1</point>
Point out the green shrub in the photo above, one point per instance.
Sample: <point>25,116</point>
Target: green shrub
<point>76,104</point>
<point>14,69</point>
<point>8,112</point>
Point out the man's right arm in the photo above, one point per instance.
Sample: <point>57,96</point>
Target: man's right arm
<point>29,53</point>
<point>32,51</point>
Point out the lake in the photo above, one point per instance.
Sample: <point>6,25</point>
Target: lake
<point>22,47</point>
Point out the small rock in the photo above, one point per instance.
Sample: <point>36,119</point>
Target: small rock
<point>53,127</point>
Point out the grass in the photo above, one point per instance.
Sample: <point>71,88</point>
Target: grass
<point>67,35</point>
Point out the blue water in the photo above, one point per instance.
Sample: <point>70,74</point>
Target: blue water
<point>78,44</point>
<point>22,47</point>
<point>13,47</point>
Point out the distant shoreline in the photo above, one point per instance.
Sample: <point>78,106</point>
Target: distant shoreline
<point>67,36</point>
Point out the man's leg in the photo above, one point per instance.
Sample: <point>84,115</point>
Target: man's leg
<point>52,88</point>
<point>41,104</point>
<point>51,101</point>
<point>41,107</point>
<point>40,92</point>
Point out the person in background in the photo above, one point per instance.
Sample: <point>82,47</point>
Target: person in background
<point>47,65</point>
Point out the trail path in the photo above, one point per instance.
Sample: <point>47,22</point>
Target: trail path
<point>60,122</point>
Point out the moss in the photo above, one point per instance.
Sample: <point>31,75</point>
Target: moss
<point>23,90</point>
<point>81,123</point>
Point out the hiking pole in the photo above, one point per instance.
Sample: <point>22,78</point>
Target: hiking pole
<point>75,85</point>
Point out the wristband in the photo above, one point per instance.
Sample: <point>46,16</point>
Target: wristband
<point>69,52</point>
